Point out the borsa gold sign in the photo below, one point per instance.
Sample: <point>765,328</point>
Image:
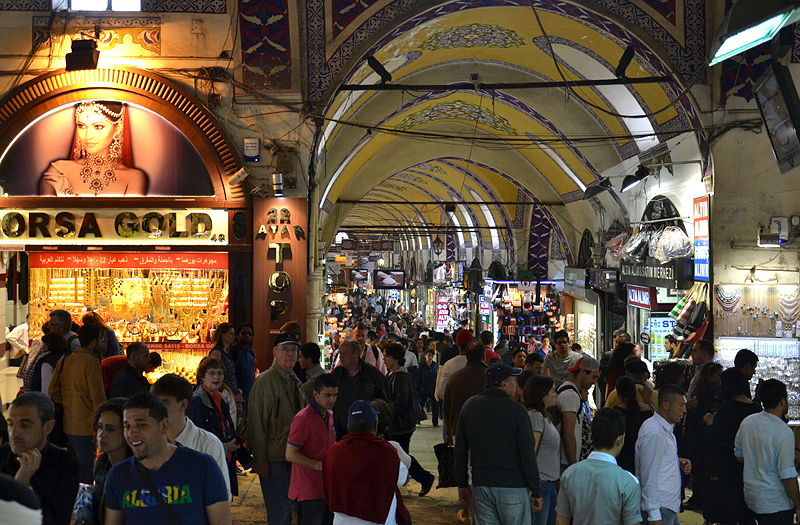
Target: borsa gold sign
<point>114,226</point>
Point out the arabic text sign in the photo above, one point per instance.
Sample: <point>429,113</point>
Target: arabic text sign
<point>162,261</point>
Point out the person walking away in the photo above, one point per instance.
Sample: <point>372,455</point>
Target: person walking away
<point>540,395</point>
<point>494,434</point>
<point>597,490</point>
<point>311,435</point>
<point>463,384</point>
<point>78,385</point>
<point>404,420</point>
<point>766,445</point>
<point>131,378</point>
<point>189,482</point>
<point>176,394</point>
<point>724,474</point>
<point>696,430</point>
<point>558,362</point>
<point>635,414</point>
<point>61,323</point>
<point>274,400</point>
<point>362,473</point>
<point>658,466</point>
<point>50,471</point>
<point>53,348</point>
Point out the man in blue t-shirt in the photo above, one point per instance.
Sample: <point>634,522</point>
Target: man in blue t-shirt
<point>190,483</point>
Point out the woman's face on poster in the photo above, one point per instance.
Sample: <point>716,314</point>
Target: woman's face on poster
<point>95,132</point>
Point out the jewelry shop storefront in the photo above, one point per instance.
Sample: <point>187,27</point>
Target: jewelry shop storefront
<point>117,200</point>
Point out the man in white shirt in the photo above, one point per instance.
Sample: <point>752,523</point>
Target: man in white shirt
<point>575,413</point>
<point>18,339</point>
<point>176,392</point>
<point>766,445</point>
<point>658,466</point>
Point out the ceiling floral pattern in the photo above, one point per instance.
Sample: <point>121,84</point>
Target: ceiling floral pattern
<point>473,35</point>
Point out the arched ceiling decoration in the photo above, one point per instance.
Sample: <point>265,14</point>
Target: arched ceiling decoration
<point>509,146</point>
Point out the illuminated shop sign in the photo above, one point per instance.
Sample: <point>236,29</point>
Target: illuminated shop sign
<point>109,226</point>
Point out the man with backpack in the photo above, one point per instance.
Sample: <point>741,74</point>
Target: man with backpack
<point>575,412</point>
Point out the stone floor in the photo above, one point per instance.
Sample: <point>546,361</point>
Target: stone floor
<point>439,507</point>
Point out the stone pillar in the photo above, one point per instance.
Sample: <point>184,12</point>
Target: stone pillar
<point>316,305</point>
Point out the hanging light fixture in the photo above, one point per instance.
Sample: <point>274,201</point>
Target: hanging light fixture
<point>596,188</point>
<point>438,246</point>
<point>633,180</point>
<point>750,23</point>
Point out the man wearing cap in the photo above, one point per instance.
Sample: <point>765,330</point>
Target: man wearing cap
<point>576,438</point>
<point>362,472</point>
<point>557,363</point>
<point>495,435</point>
<point>274,400</point>
<point>356,379</point>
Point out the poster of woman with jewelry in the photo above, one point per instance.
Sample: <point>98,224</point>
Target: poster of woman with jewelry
<point>102,148</point>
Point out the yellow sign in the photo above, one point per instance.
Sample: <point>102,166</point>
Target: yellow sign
<point>110,226</point>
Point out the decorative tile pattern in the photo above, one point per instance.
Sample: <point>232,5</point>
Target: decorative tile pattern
<point>344,13</point>
<point>557,251</point>
<point>686,52</point>
<point>266,44</point>
<point>391,186</point>
<point>457,110</point>
<point>25,5</point>
<point>473,35</point>
<point>539,243</point>
<point>184,6</point>
<point>410,177</point>
<point>429,166</point>
<point>740,73</point>
<point>142,30</point>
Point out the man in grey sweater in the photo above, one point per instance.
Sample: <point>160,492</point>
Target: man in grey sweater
<point>495,435</point>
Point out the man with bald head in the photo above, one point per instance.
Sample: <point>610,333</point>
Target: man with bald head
<point>356,379</point>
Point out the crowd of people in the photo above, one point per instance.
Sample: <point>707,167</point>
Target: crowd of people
<point>90,441</point>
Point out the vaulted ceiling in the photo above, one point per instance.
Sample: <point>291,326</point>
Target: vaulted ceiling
<point>396,157</point>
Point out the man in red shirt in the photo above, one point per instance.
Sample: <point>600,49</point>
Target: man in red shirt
<point>488,339</point>
<point>311,435</point>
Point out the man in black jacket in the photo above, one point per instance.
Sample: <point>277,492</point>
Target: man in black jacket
<point>357,380</point>
<point>131,378</point>
<point>495,434</point>
<point>50,471</point>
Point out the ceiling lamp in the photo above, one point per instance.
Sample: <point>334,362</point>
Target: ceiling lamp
<point>596,188</point>
<point>750,23</point>
<point>633,180</point>
<point>438,246</point>
<point>84,55</point>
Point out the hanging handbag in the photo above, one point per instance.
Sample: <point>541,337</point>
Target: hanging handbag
<point>155,494</point>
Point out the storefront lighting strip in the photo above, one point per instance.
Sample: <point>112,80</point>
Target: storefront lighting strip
<point>551,281</point>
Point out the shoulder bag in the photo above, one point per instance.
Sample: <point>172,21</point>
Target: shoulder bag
<point>156,494</point>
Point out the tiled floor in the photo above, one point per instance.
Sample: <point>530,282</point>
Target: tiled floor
<point>439,507</point>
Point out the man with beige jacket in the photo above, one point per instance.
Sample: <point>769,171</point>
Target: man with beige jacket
<point>77,384</point>
<point>274,400</point>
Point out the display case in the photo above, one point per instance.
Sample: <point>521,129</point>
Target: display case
<point>777,359</point>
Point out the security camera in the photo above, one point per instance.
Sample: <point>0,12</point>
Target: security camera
<point>238,177</point>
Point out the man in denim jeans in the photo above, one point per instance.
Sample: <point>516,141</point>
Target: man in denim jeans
<point>495,436</point>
